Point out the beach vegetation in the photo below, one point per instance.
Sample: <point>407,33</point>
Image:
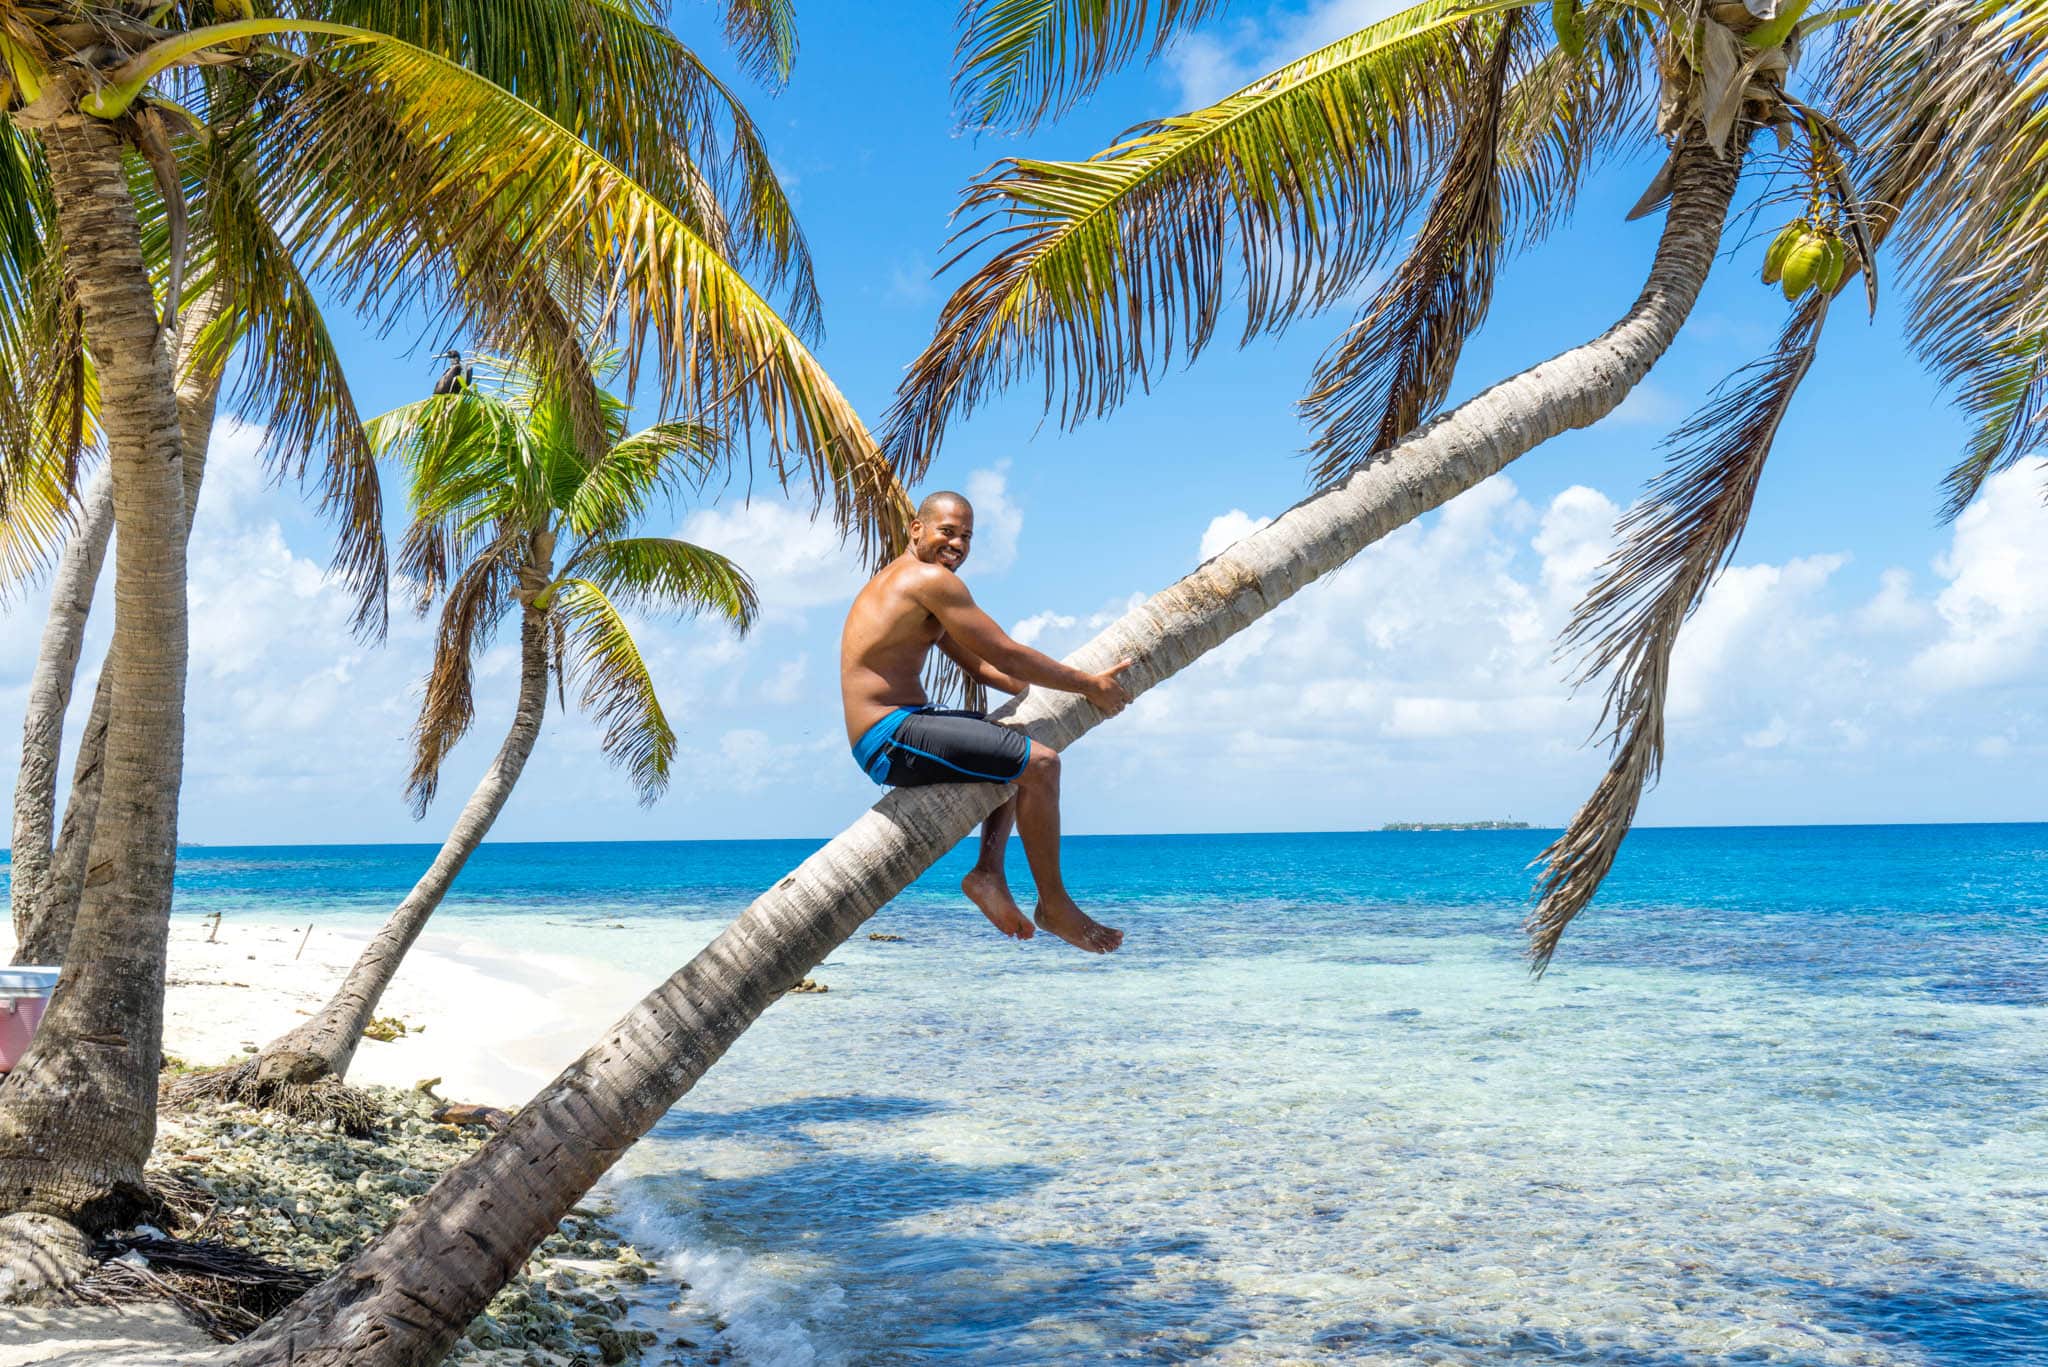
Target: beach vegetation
<point>513,517</point>
<point>524,171</point>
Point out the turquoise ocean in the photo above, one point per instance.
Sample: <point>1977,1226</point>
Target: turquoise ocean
<point>1783,1099</point>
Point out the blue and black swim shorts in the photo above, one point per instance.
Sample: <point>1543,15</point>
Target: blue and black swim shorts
<point>914,746</point>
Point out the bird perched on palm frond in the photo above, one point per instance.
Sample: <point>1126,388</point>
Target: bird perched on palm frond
<point>456,378</point>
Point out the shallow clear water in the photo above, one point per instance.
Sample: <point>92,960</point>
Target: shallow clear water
<point>1784,1099</point>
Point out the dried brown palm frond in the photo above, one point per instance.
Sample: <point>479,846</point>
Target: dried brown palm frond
<point>470,616</point>
<point>1952,89</point>
<point>1396,362</point>
<point>1570,110</point>
<point>227,1291</point>
<point>326,1101</point>
<point>1539,116</point>
<point>1673,546</point>
<point>1020,62</point>
<point>1100,271</point>
<point>763,32</point>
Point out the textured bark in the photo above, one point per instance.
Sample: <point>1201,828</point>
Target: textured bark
<point>408,1295</point>
<point>44,930</point>
<point>78,1116</point>
<point>325,1045</point>
<point>42,725</point>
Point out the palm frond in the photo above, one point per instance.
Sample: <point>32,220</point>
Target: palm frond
<point>2006,387</point>
<point>49,396</point>
<point>763,32</point>
<point>664,460</point>
<point>1102,269</point>
<point>472,464</point>
<point>612,71</point>
<point>1567,112</point>
<point>618,691</point>
<point>1674,544</point>
<point>1020,62</point>
<point>460,168</point>
<point>1949,95</point>
<point>661,574</point>
<point>469,619</point>
<point>1395,364</point>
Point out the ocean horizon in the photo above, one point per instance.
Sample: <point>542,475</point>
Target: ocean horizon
<point>1783,1098</point>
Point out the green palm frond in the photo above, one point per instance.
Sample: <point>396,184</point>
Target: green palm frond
<point>472,462</point>
<point>1022,61</point>
<point>476,603</point>
<point>661,461</point>
<point>661,574</point>
<point>49,398</point>
<point>613,72</point>
<point>470,173</point>
<point>1948,96</point>
<point>1674,545</point>
<point>1102,269</point>
<point>618,691</point>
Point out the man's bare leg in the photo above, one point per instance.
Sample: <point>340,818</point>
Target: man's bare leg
<point>1038,820</point>
<point>987,886</point>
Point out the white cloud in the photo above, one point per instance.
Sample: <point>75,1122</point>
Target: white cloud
<point>797,561</point>
<point>1226,531</point>
<point>1994,611</point>
<point>1028,631</point>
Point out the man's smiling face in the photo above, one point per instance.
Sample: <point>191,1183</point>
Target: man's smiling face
<point>943,535</point>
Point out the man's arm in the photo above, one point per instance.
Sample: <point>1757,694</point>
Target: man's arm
<point>941,593</point>
<point>978,669</point>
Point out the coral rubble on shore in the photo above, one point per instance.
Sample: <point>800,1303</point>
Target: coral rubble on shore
<point>308,1198</point>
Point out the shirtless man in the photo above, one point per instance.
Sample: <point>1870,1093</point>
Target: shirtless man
<point>918,602</point>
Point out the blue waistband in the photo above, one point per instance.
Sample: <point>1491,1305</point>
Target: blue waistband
<point>869,747</point>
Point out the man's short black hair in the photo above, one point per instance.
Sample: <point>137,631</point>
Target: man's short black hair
<point>929,509</point>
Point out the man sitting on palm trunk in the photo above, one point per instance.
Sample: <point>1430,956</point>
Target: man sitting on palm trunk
<point>916,602</point>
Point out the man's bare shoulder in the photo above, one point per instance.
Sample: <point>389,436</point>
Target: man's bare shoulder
<point>928,584</point>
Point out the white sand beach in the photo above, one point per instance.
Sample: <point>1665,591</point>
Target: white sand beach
<point>493,1025</point>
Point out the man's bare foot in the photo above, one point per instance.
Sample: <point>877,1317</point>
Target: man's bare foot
<point>1077,927</point>
<point>989,892</point>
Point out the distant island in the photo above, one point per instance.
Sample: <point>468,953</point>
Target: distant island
<point>1456,826</point>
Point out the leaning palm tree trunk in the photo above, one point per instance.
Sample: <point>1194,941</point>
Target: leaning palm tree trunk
<point>78,1116</point>
<point>48,878</point>
<point>325,1045</point>
<point>42,727</point>
<point>407,1296</point>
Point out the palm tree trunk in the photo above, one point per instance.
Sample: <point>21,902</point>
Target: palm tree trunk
<point>47,883</point>
<point>406,1297</point>
<point>325,1045</point>
<point>42,726</point>
<point>78,1115</point>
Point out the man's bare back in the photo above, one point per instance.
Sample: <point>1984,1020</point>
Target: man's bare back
<point>918,602</point>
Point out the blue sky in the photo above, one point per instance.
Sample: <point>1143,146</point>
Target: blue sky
<point>1862,662</point>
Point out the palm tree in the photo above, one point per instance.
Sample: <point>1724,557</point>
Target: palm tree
<point>410,1292</point>
<point>543,166</point>
<point>1096,273</point>
<point>510,513</point>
